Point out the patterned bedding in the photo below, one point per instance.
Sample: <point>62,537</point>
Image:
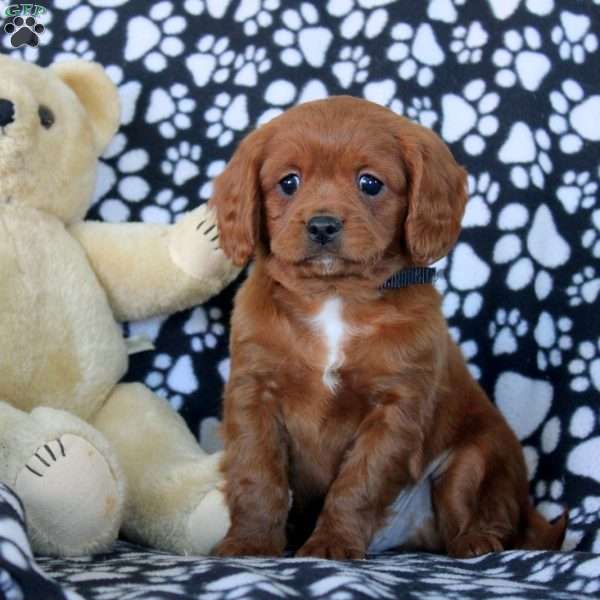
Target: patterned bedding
<point>513,86</point>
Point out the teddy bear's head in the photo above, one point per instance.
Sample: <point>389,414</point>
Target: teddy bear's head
<point>54,124</point>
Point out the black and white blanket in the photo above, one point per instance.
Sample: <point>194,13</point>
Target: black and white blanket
<point>513,86</point>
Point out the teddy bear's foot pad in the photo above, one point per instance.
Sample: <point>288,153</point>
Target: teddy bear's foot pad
<point>208,523</point>
<point>70,496</point>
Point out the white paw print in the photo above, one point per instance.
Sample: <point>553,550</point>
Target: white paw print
<point>129,92</point>
<point>154,38</point>
<point>553,339</point>
<point>444,10</point>
<point>417,51</point>
<point>505,330</point>
<point>83,16</point>
<point>468,42</point>
<point>470,118</point>
<point>577,191</point>
<point>483,192</point>
<point>529,152</point>
<point>204,327</point>
<point>352,66</point>
<point>171,108</point>
<point>214,169</point>
<point>586,367</point>
<point>181,162</point>
<point>575,119</point>
<point>212,62</point>
<point>249,64</point>
<point>172,379</point>
<point>421,111</point>
<point>585,286</point>
<point>591,237</point>
<point>167,209</point>
<point>302,37</point>
<point>573,37</point>
<point>521,60</point>
<point>226,116</point>
<point>469,350</point>
<point>282,93</point>
<point>365,16</point>
<point>73,49</point>
<point>255,14</point>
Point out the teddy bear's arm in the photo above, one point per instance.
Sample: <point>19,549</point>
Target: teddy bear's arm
<point>151,269</point>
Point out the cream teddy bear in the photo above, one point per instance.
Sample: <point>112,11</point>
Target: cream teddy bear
<point>87,455</point>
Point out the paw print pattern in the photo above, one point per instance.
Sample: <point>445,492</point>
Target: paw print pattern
<point>586,367</point>
<point>171,108</point>
<point>73,49</point>
<point>577,191</point>
<point>255,14</point>
<point>214,169</point>
<point>421,111</point>
<point>83,17</point>
<point>204,327</point>
<point>483,192</point>
<point>573,37</point>
<point>212,62</point>
<point>226,116</point>
<point>24,31</point>
<point>249,65</point>
<point>181,162</point>
<point>154,38</point>
<point>553,339</point>
<point>302,38</point>
<point>282,93</point>
<point>505,331</point>
<point>172,379</point>
<point>468,42</point>
<point>574,118</point>
<point>469,350</point>
<point>366,16</point>
<point>591,237</point>
<point>469,117</point>
<point>417,51</point>
<point>352,66</point>
<point>167,209</point>
<point>585,287</point>
<point>521,60</point>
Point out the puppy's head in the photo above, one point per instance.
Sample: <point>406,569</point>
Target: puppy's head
<point>334,187</point>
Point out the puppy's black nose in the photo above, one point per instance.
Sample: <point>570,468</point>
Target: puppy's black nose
<point>323,229</point>
<point>7,112</point>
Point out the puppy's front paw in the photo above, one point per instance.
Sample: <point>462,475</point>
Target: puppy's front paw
<point>239,546</point>
<point>469,545</point>
<point>332,547</point>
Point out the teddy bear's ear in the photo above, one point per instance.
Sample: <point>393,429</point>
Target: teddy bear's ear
<point>97,93</point>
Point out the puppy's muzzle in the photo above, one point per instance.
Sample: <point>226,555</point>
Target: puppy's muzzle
<point>324,229</point>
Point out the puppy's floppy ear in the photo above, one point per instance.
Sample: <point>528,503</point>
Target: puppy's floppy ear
<point>437,194</point>
<point>237,198</point>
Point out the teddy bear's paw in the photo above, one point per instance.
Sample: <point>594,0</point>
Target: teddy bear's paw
<point>71,497</point>
<point>208,523</point>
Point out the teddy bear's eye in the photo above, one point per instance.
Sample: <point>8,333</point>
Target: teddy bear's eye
<point>46,117</point>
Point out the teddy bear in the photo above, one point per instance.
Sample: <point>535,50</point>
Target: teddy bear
<point>90,456</point>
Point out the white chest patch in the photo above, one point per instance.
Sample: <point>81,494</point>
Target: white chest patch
<point>331,326</point>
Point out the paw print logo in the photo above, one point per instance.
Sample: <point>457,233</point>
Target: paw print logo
<point>528,152</point>
<point>205,327</point>
<point>358,16</point>
<point>591,237</point>
<point>468,42</point>
<point>249,65</point>
<point>171,109</point>
<point>181,162</point>
<point>24,31</point>
<point>302,38</point>
<point>73,49</point>
<point>226,116</point>
<point>212,62</point>
<point>417,51</point>
<point>483,192</point>
<point>553,338</point>
<point>469,117</point>
<point>573,37</point>
<point>521,60</point>
<point>586,367</point>
<point>506,329</point>
<point>577,191</point>
<point>585,287</point>
<point>154,38</point>
<point>421,111</point>
<point>167,209</point>
<point>172,379</point>
<point>469,350</point>
<point>255,14</point>
<point>352,66</point>
<point>574,118</point>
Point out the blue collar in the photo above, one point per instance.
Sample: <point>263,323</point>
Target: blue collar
<point>410,276</point>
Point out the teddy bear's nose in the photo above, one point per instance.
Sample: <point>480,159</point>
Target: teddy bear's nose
<point>7,112</point>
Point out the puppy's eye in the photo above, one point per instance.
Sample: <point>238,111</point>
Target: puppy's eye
<point>46,117</point>
<point>369,185</point>
<point>289,184</point>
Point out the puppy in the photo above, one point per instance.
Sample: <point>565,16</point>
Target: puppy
<point>350,395</point>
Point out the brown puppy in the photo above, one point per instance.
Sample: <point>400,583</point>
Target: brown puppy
<point>352,397</point>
